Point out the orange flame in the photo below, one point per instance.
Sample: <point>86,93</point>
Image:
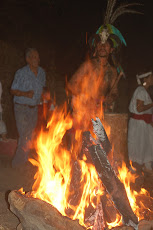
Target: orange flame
<point>138,207</point>
<point>117,222</point>
<point>53,178</point>
<point>56,162</point>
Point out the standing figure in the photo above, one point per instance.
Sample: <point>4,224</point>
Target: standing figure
<point>105,44</point>
<point>3,130</point>
<point>27,89</point>
<point>140,129</point>
<point>98,69</point>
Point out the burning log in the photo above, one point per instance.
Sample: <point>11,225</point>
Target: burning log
<point>113,185</point>
<point>38,215</point>
<point>110,212</point>
<point>145,204</point>
<point>93,216</point>
<point>101,135</point>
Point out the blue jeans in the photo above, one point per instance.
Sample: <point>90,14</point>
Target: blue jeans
<point>26,119</point>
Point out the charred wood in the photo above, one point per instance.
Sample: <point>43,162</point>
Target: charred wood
<point>110,212</point>
<point>101,135</point>
<point>145,204</point>
<point>113,185</point>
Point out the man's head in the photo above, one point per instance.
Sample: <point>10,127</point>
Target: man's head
<point>32,57</point>
<point>104,50</point>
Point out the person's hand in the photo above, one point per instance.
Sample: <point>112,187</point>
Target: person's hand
<point>46,96</point>
<point>29,93</point>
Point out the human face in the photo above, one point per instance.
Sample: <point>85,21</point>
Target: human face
<point>103,50</point>
<point>33,59</point>
<point>149,80</point>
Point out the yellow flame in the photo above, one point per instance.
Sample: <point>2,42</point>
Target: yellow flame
<point>127,178</point>
<point>53,178</point>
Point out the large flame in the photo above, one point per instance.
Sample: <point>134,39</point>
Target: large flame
<point>53,178</point>
<point>57,159</point>
<point>56,162</point>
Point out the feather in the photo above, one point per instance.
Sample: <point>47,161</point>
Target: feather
<point>110,16</point>
<point>109,10</point>
<point>122,9</point>
<point>117,33</point>
<point>112,30</point>
<point>114,17</point>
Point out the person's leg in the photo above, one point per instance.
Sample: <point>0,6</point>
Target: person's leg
<point>26,119</point>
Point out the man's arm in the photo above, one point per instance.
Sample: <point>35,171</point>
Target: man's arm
<point>17,84</point>
<point>142,107</point>
<point>20,93</point>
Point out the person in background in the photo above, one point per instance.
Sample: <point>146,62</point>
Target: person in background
<point>140,129</point>
<point>3,130</point>
<point>27,88</point>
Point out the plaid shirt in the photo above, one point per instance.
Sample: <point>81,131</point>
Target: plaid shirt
<point>26,80</point>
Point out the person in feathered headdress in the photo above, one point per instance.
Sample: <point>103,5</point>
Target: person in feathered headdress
<point>104,44</point>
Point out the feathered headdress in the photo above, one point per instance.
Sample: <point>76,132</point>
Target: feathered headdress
<point>110,17</point>
<point>108,30</point>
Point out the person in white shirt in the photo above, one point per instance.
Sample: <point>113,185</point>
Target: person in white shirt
<point>140,128</point>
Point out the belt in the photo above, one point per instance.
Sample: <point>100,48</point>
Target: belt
<point>148,118</point>
<point>30,106</point>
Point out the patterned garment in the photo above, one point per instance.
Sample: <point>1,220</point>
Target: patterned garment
<point>26,80</point>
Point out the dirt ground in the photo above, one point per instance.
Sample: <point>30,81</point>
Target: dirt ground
<point>13,179</point>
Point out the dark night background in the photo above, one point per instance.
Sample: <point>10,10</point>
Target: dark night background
<point>57,28</point>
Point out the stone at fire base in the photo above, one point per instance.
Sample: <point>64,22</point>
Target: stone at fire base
<point>118,123</point>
